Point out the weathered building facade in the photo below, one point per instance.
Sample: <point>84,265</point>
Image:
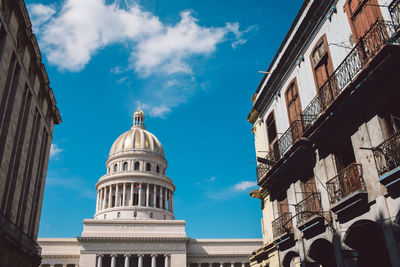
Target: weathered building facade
<point>28,113</point>
<point>326,122</point>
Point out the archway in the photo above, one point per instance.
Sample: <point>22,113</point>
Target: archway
<point>291,259</point>
<point>322,252</point>
<point>368,239</point>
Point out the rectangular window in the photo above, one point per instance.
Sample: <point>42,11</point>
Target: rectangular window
<point>344,155</point>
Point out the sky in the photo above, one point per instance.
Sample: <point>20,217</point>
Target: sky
<point>193,65</point>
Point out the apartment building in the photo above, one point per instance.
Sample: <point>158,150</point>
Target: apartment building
<point>326,122</point>
<point>28,113</point>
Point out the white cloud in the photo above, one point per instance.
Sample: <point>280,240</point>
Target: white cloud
<point>73,34</point>
<point>244,186</point>
<point>40,14</point>
<point>54,150</point>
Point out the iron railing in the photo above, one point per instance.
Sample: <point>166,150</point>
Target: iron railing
<point>379,34</point>
<point>282,225</point>
<point>394,10</point>
<point>262,169</point>
<point>308,207</point>
<point>290,137</point>
<point>345,183</point>
<point>387,154</point>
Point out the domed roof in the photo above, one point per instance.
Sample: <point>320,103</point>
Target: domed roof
<point>137,139</point>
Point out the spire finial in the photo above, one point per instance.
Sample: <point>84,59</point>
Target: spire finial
<point>139,106</point>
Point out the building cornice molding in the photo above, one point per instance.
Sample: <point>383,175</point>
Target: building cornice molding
<point>57,256</point>
<point>219,256</point>
<point>115,239</point>
<point>133,252</point>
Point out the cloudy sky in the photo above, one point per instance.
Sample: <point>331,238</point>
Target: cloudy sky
<point>194,67</point>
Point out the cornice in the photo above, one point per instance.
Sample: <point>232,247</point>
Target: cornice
<point>132,239</point>
<point>60,256</point>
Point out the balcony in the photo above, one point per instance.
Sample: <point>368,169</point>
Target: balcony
<point>310,216</point>
<point>380,34</point>
<point>347,189</point>
<point>282,229</point>
<point>387,159</point>
<point>394,10</point>
<point>289,156</point>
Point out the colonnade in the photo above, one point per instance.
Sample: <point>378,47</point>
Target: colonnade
<point>139,260</point>
<point>134,194</point>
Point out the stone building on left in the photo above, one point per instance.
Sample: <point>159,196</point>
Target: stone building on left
<point>28,113</point>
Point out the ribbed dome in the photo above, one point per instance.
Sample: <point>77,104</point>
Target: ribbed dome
<point>137,139</point>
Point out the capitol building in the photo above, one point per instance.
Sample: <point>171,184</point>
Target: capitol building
<point>134,223</point>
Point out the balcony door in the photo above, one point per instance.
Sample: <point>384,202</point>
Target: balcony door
<point>272,137</point>
<point>310,194</point>
<point>294,110</point>
<point>323,69</point>
<point>362,14</point>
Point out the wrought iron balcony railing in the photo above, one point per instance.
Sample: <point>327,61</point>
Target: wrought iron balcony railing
<point>309,207</point>
<point>290,137</point>
<point>394,9</point>
<point>379,34</point>
<point>282,225</point>
<point>262,169</point>
<point>387,154</point>
<point>345,183</point>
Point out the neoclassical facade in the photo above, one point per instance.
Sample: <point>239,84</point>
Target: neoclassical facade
<point>134,224</point>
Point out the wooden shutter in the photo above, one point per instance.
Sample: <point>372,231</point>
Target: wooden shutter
<point>362,14</point>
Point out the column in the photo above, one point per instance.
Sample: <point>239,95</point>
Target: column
<point>104,197</point>
<point>140,260</point>
<point>153,260</point>
<point>232,264</point>
<point>103,193</point>
<point>221,264</point>
<point>113,260</point>
<point>97,200</point>
<point>166,199</point>
<point>123,194</point>
<point>148,195</point>
<point>166,260</point>
<point>99,260</point>
<point>127,260</point>
<point>140,189</point>
<point>116,195</point>
<point>161,197</point>
<point>131,201</point>
<point>243,264</point>
<point>172,201</point>
<point>154,196</point>
<point>110,197</point>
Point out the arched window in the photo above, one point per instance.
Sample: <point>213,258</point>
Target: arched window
<point>158,169</point>
<point>118,214</point>
<point>164,171</point>
<point>105,216</point>
<point>125,166</point>
<point>165,217</point>
<point>115,167</point>
<point>135,214</point>
<point>148,167</point>
<point>151,215</point>
<point>137,165</point>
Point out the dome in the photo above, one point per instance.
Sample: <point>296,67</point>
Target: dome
<point>137,139</point>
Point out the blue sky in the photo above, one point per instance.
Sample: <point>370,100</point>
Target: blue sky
<point>194,67</point>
